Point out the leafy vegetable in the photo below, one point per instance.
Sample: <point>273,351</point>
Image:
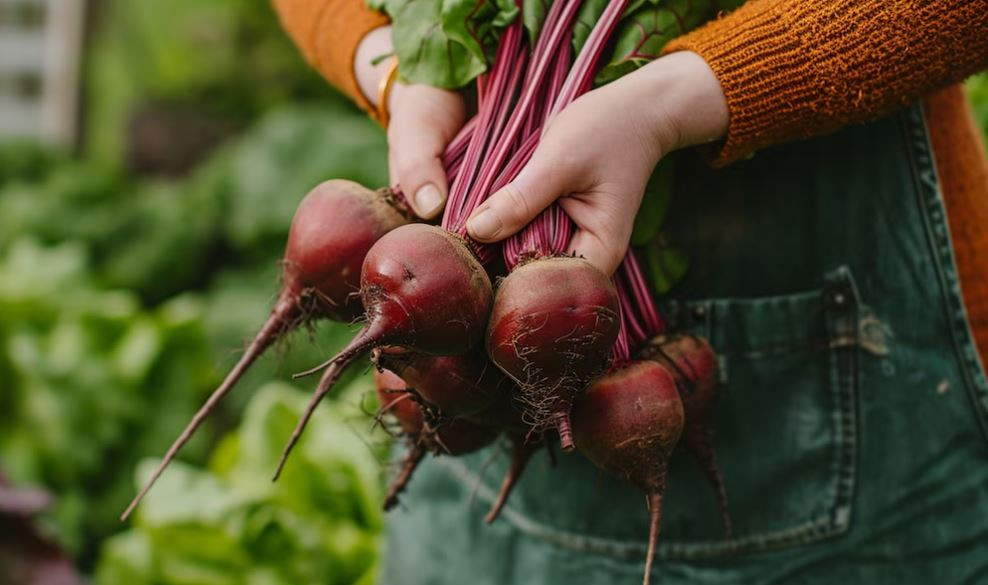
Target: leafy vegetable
<point>228,524</point>
<point>446,43</point>
<point>645,30</point>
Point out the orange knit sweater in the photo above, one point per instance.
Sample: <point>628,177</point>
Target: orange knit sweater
<point>794,69</point>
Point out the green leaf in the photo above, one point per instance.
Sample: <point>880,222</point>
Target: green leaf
<point>446,43</point>
<point>665,265</point>
<point>533,15</point>
<point>655,203</point>
<point>645,30</point>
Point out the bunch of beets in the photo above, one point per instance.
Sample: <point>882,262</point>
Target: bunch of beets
<point>556,351</point>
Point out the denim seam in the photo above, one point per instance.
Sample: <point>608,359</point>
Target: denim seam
<point>937,230</point>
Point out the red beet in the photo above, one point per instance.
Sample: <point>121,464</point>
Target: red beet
<point>333,228</point>
<point>552,327</point>
<point>422,290</point>
<point>693,363</point>
<point>628,422</point>
<point>396,399</point>
<point>445,437</point>
<point>460,385</point>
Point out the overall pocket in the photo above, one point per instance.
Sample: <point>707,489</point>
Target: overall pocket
<point>785,422</point>
<point>785,419</point>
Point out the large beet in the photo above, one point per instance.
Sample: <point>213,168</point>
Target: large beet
<point>552,328</point>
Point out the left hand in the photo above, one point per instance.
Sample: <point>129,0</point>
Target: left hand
<point>597,155</point>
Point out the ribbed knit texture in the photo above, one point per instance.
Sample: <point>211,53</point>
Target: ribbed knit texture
<point>795,69</point>
<point>327,32</point>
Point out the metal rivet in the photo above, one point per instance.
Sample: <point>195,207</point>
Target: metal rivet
<point>839,298</point>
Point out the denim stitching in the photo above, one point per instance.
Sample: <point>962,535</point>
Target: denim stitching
<point>934,219</point>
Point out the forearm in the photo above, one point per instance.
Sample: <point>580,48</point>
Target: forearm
<point>329,34</point>
<point>793,69</point>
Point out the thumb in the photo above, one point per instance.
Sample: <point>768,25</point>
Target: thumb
<point>515,205</point>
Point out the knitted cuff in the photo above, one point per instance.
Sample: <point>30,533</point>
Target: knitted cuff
<point>327,32</point>
<point>796,69</point>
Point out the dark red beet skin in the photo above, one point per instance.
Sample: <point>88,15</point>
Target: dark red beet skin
<point>396,400</point>
<point>628,422</point>
<point>693,363</point>
<point>333,228</point>
<point>552,327</point>
<point>423,290</point>
<point>459,385</point>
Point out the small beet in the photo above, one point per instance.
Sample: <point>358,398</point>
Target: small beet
<point>693,363</point>
<point>552,327</point>
<point>628,422</point>
<point>460,385</point>
<point>442,437</point>
<point>332,230</point>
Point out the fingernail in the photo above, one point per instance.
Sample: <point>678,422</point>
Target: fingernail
<point>485,225</point>
<point>428,200</point>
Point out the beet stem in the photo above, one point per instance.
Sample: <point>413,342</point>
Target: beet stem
<point>273,328</point>
<point>326,383</point>
<point>655,510</point>
<point>408,467</point>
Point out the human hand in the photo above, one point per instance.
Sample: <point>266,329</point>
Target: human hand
<point>424,120</point>
<point>597,155</point>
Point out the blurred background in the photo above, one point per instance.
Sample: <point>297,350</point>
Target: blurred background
<point>152,153</point>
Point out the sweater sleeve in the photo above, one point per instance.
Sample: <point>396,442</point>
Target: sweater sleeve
<point>793,69</point>
<point>327,33</point>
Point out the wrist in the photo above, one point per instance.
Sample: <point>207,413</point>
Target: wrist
<point>368,65</point>
<point>684,102</point>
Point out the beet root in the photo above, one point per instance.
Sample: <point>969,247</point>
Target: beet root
<point>521,454</point>
<point>628,422</point>
<point>693,363</point>
<point>460,385</point>
<point>552,327</point>
<point>424,433</point>
<point>319,278</point>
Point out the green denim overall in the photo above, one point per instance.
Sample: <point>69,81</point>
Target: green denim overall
<point>852,423</point>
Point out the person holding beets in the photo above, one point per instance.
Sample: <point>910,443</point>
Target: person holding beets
<point>835,214</point>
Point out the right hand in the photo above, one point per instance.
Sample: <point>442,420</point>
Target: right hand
<point>424,120</point>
